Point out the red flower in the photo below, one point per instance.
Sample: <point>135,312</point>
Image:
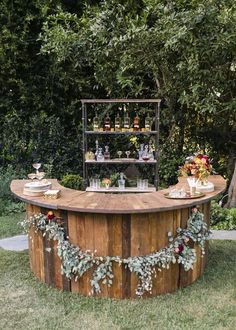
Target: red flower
<point>50,215</point>
<point>181,247</point>
<point>194,210</point>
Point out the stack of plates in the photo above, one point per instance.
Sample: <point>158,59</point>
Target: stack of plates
<point>36,188</point>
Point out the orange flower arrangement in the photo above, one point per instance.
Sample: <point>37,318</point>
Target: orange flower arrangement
<point>106,182</point>
<point>198,166</point>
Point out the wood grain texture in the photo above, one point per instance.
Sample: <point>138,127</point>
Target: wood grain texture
<point>92,202</point>
<point>115,235</point>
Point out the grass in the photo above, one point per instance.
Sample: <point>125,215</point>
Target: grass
<point>209,303</point>
<point>9,225</point>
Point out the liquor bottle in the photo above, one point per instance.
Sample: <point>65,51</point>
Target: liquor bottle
<point>97,147</point>
<point>106,153</point>
<point>107,123</point>
<point>100,156</point>
<point>96,122</point>
<point>148,123</point>
<point>117,123</point>
<point>136,122</point>
<point>126,121</point>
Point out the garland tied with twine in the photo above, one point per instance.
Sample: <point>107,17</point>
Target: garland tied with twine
<point>75,262</point>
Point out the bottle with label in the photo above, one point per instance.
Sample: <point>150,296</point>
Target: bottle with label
<point>136,122</point>
<point>96,122</point>
<point>107,123</point>
<point>117,123</point>
<point>126,121</point>
<point>148,123</point>
<point>106,153</point>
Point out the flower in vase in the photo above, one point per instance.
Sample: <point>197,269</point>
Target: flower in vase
<point>198,166</point>
<point>106,182</point>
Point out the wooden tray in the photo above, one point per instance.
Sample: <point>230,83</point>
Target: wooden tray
<point>197,195</point>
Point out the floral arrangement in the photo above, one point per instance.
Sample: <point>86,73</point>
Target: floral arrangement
<point>75,262</point>
<point>197,165</point>
<point>106,182</point>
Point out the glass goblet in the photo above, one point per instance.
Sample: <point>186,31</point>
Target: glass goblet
<point>32,176</point>
<point>40,175</point>
<point>37,167</point>
<point>127,153</point>
<point>119,153</point>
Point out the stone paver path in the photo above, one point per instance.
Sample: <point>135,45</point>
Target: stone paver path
<point>224,234</point>
<point>15,243</point>
<point>20,242</point>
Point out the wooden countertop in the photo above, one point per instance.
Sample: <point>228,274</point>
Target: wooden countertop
<point>92,202</point>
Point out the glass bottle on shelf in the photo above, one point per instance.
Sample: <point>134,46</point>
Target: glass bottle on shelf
<point>148,123</point>
<point>107,123</point>
<point>121,182</point>
<point>97,147</point>
<point>100,156</point>
<point>151,155</point>
<point>96,122</point>
<point>117,122</point>
<point>136,122</point>
<point>126,121</point>
<point>106,153</point>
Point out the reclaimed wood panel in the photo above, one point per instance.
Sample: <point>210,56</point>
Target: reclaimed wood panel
<point>132,203</point>
<point>115,235</point>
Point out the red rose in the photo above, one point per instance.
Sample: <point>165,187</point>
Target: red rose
<point>194,210</point>
<point>50,215</point>
<point>181,247</point>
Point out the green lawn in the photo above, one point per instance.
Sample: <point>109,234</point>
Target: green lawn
<point>210,303</point>
<point>9,225</point>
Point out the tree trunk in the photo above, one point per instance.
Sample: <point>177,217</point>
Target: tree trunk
<point>232,191</point>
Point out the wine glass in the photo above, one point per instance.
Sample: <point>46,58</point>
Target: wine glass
<point>127,153</point>
<point>119,153</point>
<point>40,175</point>
<point>32,176</point>
<point>36,166</point>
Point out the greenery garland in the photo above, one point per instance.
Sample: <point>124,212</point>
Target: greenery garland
<point>75,262</point>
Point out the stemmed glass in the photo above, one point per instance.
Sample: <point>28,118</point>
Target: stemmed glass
<point>32,176</point>
<point>127,153</point>
<point>37,166</point>
<point>119,153</point>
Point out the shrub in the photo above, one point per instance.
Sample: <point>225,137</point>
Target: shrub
<point>8,204</point>
<point>73,181</point>
<point>222,218</point>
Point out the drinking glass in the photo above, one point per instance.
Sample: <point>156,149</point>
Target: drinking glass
<point>119,153</point>
<point>127,153</point>
<point>37,167</point>
<point>145,184</point>
<point>32,176</point>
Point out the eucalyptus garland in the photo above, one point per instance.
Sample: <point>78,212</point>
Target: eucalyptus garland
<point>75,262</point>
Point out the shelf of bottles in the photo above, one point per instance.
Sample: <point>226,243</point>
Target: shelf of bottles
<point>119,128</point>
<point>147,154</point>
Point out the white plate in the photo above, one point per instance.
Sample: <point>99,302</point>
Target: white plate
<point>38,185</point>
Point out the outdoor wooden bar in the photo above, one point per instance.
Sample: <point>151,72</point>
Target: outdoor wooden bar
<point>122,225</point>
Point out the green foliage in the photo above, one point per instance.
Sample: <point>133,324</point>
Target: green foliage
<point>75,262</point>
<point>73,181</point>
<point>222,218</point>
<point>54,53</point>
<point>8,204</point>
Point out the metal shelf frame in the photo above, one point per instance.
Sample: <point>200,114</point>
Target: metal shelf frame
<point>86,132</point>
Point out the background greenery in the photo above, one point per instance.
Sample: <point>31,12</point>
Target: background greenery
<point>52,54</point>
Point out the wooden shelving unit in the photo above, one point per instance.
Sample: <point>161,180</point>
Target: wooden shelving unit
<point>155,133</point>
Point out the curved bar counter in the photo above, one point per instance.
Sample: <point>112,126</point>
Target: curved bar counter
<point>122,225</point>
